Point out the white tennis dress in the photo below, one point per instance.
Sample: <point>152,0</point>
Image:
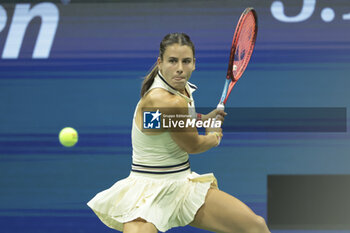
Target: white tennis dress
<point>161,187</point>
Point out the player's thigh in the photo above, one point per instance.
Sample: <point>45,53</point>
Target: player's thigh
<point>139,226</point>
<point>222,212</point>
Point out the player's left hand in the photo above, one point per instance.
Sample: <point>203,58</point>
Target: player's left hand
<point>218,114</point>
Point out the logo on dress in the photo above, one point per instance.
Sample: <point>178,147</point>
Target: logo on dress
<point>151,120</point>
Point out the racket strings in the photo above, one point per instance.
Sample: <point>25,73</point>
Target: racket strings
<point>245,45</point>
<point>241,49</point>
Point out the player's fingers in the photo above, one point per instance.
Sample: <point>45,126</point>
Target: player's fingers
<point>221,112</point>
<point>220,118</point>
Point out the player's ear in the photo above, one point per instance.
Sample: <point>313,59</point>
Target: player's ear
<point>159,61</point>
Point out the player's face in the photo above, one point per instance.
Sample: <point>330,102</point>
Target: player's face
<point>177,65</point>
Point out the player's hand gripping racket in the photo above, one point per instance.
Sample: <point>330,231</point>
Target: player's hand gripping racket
<point>241,50</point>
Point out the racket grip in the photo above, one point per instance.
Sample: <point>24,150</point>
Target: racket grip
<point>220,106</point>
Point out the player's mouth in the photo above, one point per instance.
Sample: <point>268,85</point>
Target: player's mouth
<point>179,78</point>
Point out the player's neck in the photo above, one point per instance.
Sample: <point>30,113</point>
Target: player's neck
<point>184,92</point>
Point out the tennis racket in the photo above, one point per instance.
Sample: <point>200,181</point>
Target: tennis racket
<point>241,50</point>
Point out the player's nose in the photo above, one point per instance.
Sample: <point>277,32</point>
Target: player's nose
<point>179,68</point>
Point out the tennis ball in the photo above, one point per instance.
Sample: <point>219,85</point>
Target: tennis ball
<point>68,137</point>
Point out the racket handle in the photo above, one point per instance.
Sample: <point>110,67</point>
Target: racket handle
<point>220,106</point>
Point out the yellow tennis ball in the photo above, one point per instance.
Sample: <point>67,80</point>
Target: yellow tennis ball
<point>68,137</point>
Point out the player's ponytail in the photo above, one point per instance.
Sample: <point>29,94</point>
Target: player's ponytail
<point>170,39</point>
<point>148,80</point>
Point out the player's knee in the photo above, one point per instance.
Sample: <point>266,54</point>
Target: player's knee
<point>139,229</point>
<point>257,225</point>
<point>139,226</point>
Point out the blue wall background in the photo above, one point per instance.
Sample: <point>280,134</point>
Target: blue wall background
<point>91,81</point>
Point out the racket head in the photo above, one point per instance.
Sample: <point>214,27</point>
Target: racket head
<point>243,43</point>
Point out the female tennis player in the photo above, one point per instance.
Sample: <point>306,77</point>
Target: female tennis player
<point>161,191</point>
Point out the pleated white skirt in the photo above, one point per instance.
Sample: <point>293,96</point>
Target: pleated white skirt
<point>166,200</point>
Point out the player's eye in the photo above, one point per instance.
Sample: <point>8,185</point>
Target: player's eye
<point>187,61</point>
<point>172,60</point>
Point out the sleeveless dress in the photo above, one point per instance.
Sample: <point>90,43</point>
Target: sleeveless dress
<point>161,187</point>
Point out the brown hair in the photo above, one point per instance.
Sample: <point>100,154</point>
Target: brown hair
<point>170,39</point>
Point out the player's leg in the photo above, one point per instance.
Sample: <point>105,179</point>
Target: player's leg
<point>139,226</point>
<point>222,212</point>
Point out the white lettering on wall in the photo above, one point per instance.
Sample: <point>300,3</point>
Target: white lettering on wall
<point>3,18</point>
<point>308,8</point>
<point>49,14</point>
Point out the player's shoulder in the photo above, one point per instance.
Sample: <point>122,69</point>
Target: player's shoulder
<point>161,98</point>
